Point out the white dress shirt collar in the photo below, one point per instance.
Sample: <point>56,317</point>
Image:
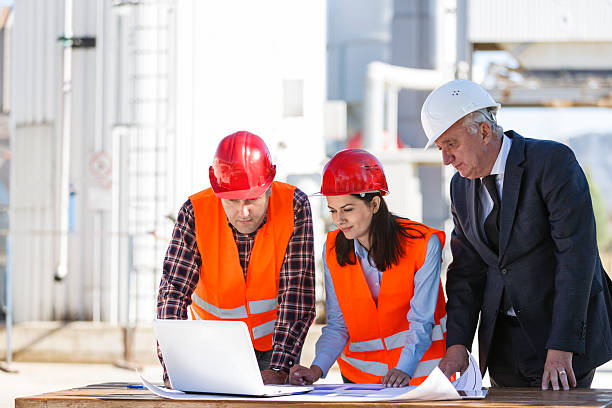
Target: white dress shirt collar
<point>500,163</point>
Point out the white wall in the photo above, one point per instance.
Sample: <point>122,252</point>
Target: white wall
<point>232,59</point>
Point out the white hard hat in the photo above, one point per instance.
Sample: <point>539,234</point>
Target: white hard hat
<point>448,103</point>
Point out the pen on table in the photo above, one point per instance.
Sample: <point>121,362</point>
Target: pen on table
<point>138,386</point>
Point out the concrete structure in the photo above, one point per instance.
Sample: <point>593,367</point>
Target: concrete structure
<point>563,50</point>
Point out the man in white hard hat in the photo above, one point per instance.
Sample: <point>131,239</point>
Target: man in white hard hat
<point>524,247</point>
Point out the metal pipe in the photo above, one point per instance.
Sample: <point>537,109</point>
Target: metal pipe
<point>391,114</point>
<point>373,121</point>
<point>380,78</point>
<point>64,185</point>
<point>9,311</point>
<point>98,147</point>
<point>9,302</point>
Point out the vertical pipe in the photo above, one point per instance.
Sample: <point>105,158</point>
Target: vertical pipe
<point>129,309</point>
<point>464,47</point>
<point>98,146</point>
<point>374,101</point>
<point>7,367</point>
<point>118,183</point>
<point>391,114</point>
<point>446,36</point>
<point>9,302</point>
<point>62,265</point>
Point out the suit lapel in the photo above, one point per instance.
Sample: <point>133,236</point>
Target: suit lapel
<point>472,197</point>
<point>512,185</point>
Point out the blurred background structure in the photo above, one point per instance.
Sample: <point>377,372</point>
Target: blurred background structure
<point>110,112</point>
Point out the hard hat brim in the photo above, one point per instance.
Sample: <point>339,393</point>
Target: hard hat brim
<point>433,139</point>
<point>323,194</point>
<point>249,194</point>
<point>428,144</point>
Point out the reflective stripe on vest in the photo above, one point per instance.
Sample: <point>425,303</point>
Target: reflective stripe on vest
<point>370,367</point>
<point>261,306</point>
<point>394,341</point>
<point>264,329</point>
<point>258,331</point>
<point>368,345</point>
<point>236,313</point>
<point>424,368</point>
<point>397,340</point>
<point>439,329</point>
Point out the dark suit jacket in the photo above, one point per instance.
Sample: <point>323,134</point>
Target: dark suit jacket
<point>548,259</point>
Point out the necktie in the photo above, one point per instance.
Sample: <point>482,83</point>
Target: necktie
<point>491,224</point>
<point>491,227</point>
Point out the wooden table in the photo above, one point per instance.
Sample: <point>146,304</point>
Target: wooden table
<point>118,395</point>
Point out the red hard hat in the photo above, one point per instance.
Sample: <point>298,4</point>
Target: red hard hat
<point>242,168</point>
<point>353,171</point>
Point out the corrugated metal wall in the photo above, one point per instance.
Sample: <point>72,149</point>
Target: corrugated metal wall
<point>121,127</point>
<point>539,21</point>
<point>35,84</point>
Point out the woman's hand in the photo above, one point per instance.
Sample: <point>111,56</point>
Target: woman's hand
<point>300,375</point>
<point>396,378</point>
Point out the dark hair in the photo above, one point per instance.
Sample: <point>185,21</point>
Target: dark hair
<point>386,237</point>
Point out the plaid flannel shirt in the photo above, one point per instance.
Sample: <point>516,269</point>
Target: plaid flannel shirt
<point>296,297</point>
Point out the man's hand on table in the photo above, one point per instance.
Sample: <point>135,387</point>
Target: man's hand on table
<point>274,377</point>
<point>396,378</point>
<point>455,359</point>
<point>300,375</point>
<point>558,369</point>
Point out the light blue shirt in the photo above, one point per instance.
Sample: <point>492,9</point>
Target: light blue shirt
<point>421,314</point>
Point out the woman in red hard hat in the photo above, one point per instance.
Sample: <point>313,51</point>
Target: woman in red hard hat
<point>386,319</point>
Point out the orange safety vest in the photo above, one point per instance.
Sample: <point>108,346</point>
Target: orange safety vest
<point>221,292</point>
<point>377,333</point>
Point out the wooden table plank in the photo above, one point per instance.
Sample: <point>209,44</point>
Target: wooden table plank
<point>118,395</point>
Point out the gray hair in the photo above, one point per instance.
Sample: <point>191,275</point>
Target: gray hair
<point>472,121</point>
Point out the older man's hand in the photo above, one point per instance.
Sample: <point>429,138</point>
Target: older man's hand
<point>456,359</point>
<point>558,369</point>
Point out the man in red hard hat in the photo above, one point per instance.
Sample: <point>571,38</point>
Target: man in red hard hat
<point>243,250</point>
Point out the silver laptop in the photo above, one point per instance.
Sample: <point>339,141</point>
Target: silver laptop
<point>214,357</point>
